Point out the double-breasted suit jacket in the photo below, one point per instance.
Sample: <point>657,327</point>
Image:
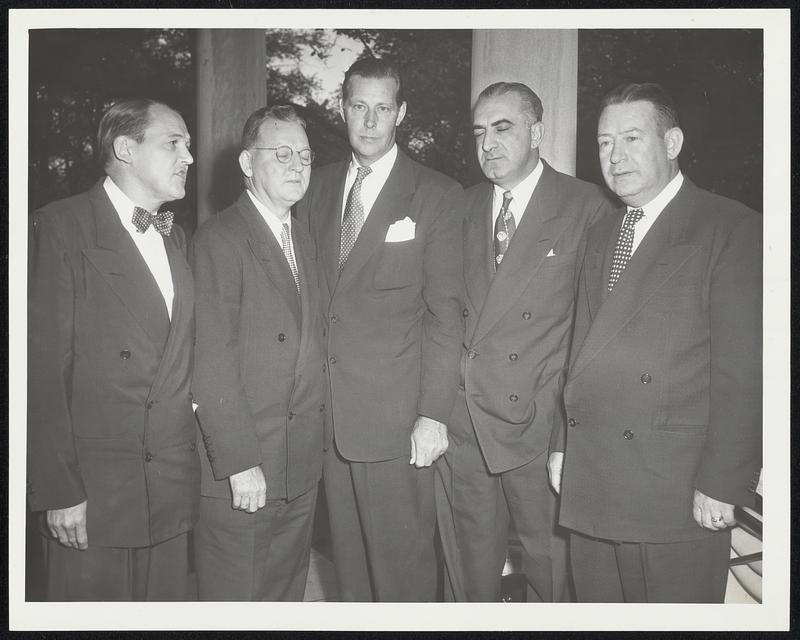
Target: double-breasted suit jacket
<point>664,389</point>
<point>110,418</point>
<point>518,320</point>
<point>259,379</point>
<point>394,327</point>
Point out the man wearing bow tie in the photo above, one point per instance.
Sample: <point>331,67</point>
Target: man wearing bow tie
<point>112,460</point>
<point>523,234</point>
<point>388,241</point>
<point>259,379</point>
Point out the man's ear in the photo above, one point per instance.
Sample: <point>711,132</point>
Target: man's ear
<point>123,149</point>
<point>401,114</point>
<point>246,163</point>
<point>673,138</point>
<point>537,134</point>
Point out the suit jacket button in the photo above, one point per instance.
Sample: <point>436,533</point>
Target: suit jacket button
<point>322,407</point>
<point>627,434</point>
<point>512,356</point>
<point>281,337</point>
<point>333,359</point>
<point>572,422</point>
<point>646,378</point>
<point>334,319</point>
<point>150,404</point>
<point>471,354</point>
<point>465,313</point>
<point>513,397</point>
<point>148,457</point>
<point>291,415</point>
<point>526,315</point>
<point>125,354</point>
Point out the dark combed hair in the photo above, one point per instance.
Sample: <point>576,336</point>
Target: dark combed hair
<point>374,68</point>
<point>532,105</point>
<point>125,118</point>
<point>281,112</point>
<point>655,94</point>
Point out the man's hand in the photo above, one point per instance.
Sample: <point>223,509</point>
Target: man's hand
<point>712,514</point>
<point>249,489</point>
<point>555,465</point>
<point>428,441</point>
<point>69,526</point>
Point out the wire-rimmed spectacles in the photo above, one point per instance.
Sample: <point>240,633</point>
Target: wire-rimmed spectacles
<point>284,154</point>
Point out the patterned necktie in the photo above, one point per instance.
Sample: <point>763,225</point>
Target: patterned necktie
<point>504,228</point>
<point>162,222</point>
<point>353,216</point>
<point>286,242</point>
<point>624,248</point>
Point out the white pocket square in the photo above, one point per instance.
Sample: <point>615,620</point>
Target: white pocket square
<point>551,254</point>
<point>401,230</point>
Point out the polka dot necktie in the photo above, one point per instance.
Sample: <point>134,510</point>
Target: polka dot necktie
<point>624,248</point>
<point>286,242</point>
<point>353,218</point>
<point>162,222</point>
<point>504,228</point>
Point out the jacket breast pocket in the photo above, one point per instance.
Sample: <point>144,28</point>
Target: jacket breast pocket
<point>399,265</point>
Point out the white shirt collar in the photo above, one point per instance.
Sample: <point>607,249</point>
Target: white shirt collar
<point>123,205</point>
<point>273,222</point>
<point>653,208</point>
<point>521,194</point>
<point>380,168</point>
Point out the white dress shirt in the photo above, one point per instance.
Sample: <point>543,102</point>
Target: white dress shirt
<point>150,243</point>
<point>273,222</point>
<point>521,195</point>
<point>653,209</point>
<point>371,185</point>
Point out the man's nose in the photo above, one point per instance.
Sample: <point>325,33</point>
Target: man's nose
<point>488,143</point>
<point>187,156</point>
<point>370,119</point>
<point>617,152</point>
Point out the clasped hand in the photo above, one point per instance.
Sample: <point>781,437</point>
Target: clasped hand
<point>249,489</point>
<point>428,441</point>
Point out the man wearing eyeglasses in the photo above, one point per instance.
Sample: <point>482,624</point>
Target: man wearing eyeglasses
<point>389,243</point>
<point>259,381</point>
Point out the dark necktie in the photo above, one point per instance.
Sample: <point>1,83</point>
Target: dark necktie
<point>504,228</point>
<point>162,222</point>
<point>353,216</point>
<point>624,248</point>
<point>286,242</point>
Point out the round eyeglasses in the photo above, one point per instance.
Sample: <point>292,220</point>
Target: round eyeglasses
<point>284,154</point>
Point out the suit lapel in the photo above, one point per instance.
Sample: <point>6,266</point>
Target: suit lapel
<point>597,262</point>
<point>331,229</point>
<point>391,205</point>
<point>269,254</point>
<point>537,234</point>
<point>120,264</point>
<point>182,306</point>
<point>662,252</point>
<point>304,252</point>
<point>478,254</point>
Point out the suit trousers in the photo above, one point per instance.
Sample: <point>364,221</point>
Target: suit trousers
<point>383,524</point>
<point>474,511</point>
<point>159,573</point>
<point>691,571</point>
<point>261,556</point>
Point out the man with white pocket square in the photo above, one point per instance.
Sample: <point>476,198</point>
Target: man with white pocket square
<point>389,248</point>
<point>523,241</point>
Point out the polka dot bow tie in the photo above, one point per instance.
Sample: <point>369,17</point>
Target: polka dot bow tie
<point>162,222</point>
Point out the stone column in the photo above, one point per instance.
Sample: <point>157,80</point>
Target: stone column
<point>231,84</point>
<point>547,61</point>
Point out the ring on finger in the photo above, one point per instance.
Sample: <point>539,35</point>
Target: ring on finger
<point>716,519</point>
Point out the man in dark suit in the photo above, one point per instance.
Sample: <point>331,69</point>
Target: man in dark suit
<point>112,459</point>
<point>259,380</point>
<point>663,396</point>
<point>523,235</point>
<point>391,296</point>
